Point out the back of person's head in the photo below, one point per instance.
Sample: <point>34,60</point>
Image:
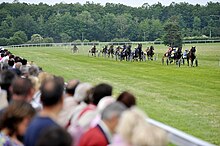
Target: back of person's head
<point>114,109</point>
<point>33,70</point>
<point>6,78</point>
<point>54,136</point>
<point>135,130</point>
<point>14,114</point>
<point>24,62</point>
<point>71,86</point>
<point>22,87</point>
<point>52,91</point>
<point>100,91</point>
<point>35,82</point>
<point>11,62</point>
<point>149,136</point>
<point>104,102</point>
<point>127,99</point>
<point>43,76</point>
<point>82,92</point>
<point>129,119</point>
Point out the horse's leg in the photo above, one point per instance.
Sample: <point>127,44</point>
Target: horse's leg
<point>192,62</point>
<point>187,61</point>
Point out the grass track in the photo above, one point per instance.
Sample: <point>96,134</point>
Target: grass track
<point>187,98</point>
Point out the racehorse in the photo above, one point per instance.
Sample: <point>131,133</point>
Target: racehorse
<point>123,53</point>
<point>138,54</point>
<point>192,56</point>
<point>93,51</point>
<point>111,51</point>
<point>105,51</point>
<point>118,53</point>
<point>150,53</point>
<point>74,49</point>
<point>173,55</point>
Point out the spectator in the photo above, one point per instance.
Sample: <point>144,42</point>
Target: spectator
<point>82,93</point>
<point>22,89</point>
<point>87,114</point>
<point>16,68</point>
<point>69,103</point>
<point>36,84</point>
<point>42,77</point>
<point>101,91</point>
<point>3,99</point>
<point>127,99</point>
<point>6,78</point>
<point>52,100</point>
<point>33,70</point>
<point>14,122</point>
<point>101,135</point>
<point>103,103</point>
<point>133,130</point>
<point>54,136</point>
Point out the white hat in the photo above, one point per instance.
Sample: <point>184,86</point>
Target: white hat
<point>104,102</point>
<point>82,91</point>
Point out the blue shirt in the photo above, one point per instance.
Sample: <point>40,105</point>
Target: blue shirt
<point>36,127</point>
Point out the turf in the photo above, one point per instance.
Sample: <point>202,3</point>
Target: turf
<point>187,98</point>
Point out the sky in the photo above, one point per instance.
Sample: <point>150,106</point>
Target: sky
<point>133,3</point>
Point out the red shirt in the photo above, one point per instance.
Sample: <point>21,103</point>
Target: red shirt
<point>94,137</point>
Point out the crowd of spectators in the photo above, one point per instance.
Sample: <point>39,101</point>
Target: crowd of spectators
<point>40,109</point>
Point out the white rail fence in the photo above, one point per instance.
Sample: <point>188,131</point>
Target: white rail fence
<point>104,43</point>
<point>178,137</point>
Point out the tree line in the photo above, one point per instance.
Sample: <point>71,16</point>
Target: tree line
<point>35,23</point>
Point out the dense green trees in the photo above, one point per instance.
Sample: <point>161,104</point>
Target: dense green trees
<point>68,22</point>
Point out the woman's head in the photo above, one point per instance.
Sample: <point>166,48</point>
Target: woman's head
<point>127,99</point>
<point>16,117</point>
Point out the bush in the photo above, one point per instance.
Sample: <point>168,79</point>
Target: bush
<point>4,41</point>
<point>120,40</point>
<point>48,40</point>
<point>15,40</point>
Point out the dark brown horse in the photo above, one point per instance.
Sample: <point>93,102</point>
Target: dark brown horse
<point>192,56</point>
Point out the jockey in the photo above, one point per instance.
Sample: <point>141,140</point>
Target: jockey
<point>185,53</point>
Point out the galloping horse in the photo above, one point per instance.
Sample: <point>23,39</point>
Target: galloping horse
<point>105,51</point>
<point>111,51</point>
<point>123,53</point>
<point>93,51</point>
<point>74,49</point>
<point>118,53</point>
<point>150,53</point>
<point>173,55</point>
<point>192,56</point>
<point>138,54</point>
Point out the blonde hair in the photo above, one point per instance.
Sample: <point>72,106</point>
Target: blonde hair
<point>35,82</point>
<point>43,76</point>
<point>135,130</point>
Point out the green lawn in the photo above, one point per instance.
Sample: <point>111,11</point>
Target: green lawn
<point>187,98</point>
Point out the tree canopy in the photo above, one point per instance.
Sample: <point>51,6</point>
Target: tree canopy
<point>68,22</point>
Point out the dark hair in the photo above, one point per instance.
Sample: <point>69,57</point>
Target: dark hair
<point>22,86</point>
<point>51,91</point>
<point>24,62</point>
<point>127,99</point>
<point>17,59</point>
<point>6,78</point>
<point>71,86</point>
<point>14,114</point>
<point>101,91</point>
<point>54,136</point>
<point>11,62</point>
